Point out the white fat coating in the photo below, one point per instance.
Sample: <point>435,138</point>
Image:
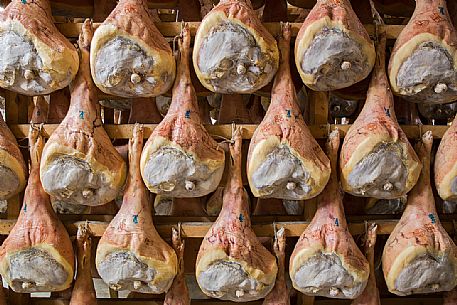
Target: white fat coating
<point>73,181</point>
<point>279,169</point>
<point>426,274</point>
<point>228,281</point>
<point>120,58</point>
<point>324,275</point>
<point>231,58</point>
<point>429,66</point>
<point>123,270</point>
<point>294,207</point>
<point>62,207</point>
<point>387,206</point>
<point>380,174</point>
<point>168,170</point>
<point>163,206</point>
<point>34,270</point>
<point>9,182</point>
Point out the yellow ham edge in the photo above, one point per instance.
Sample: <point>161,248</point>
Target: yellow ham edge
<point>308,37</point>
<point>214,19</point>
<point>56,63</point>
<point>164,61</point>
<point>318,179</point>
<point>48,248</point>
<point>366,146</point>
<point>12,163</point>
<point>406,50</point>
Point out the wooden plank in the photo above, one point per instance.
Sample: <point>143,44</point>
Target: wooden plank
<point>199,229</point>
<point>125,131</point>
<point>172,29</point>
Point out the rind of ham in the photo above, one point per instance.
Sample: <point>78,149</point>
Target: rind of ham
<point>423,64</point>
<point>36,58</point>
<point>284,160</point>
<point>280,294</point>
<point>232,264</point>
<point>446,164</point>
<point>131,255</point>
<point>178,293</point>
<point>37,255</point>
<point>326,261</point>
<point>419,256</point>
<point>233,51</point>
<point>377,159</point>
<point>83,289</point>
<point>13,171</point>
<point>80,165</point>
<point>180,158</point>
<point>333,49</point>
<point>370,295</point>
<point>129,56</point>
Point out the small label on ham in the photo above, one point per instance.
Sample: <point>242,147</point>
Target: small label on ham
<point>187,116</point>
<point>288,113</point>
<point>337,223</point>
<point>81,115</point>
<point>241,218</point>
<point>135,219</point>
<point>25,207</point>
<point>387,111</point>
<point>442,10</point>
<point>432,218</point>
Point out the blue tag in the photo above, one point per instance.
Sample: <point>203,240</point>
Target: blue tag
<point>337,223</point>
<point>81,115</point>
<point>25,207</point>
<point>187,114</point>
<point>288,113</point>
<point>387,111</point>
<point>432,218</point>
<point>24,1</point>
<point>442,12</point>
<point>135,219</point>
<point>241,218</point>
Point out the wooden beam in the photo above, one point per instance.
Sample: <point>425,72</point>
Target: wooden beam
<point>172,29</point>
<point>125,131</point>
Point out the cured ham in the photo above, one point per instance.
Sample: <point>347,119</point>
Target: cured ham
<point>326,261</point>
<point>280,294</point>
<point>80,165</point>
<point>131,255</point>
<point>376,158</point>
<point>178,293</point>
<point>446,165</point>
<point>232,264</point>
<point>233,52</point>
<point>370,295</point>
<point>423,64</point>
<point>333,49</point>
<point>180,159</point>
<point>419,256</point>
<point>129,56</point>
<point>13,171</point>
<point>83,289</point>
<point>37,255</point>
<point>284,160</point>
<point>36,59</point>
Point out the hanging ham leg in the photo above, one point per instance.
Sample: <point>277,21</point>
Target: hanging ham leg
<point>446,164</point>
<point>40,110</point>
<point>370,295</point>
<point>284,159</point>
<point>178,293</point>
<point>233,52</point>
<point>419,256</point>
<point>326,261</point>
<point>37,255</point>
<point>36,58</point>
<point>232,264</point>
<point>377,159</point>
<point>83,290</point>
<point>58,106</point>
<point>333,49</point>
<point>80,165</point>
<point>280,294</point>
<point>129,56</point>
<point>423,64</point>
<point>180,159</point>
<point>131,254</point>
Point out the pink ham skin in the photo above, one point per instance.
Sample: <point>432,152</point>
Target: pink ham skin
<point>370,295</point>
<point>430,16</point>
<point>377,117</point>
<point>280,294</point>
<point>232,232</point>
<point>445,160</point>
<point>83,289</point>
<point>40,111</point>
<point>178,293</point>
<point>420,226</point>
<point>37,223</point>
<point>284,119</point>
<point>328,230</point>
